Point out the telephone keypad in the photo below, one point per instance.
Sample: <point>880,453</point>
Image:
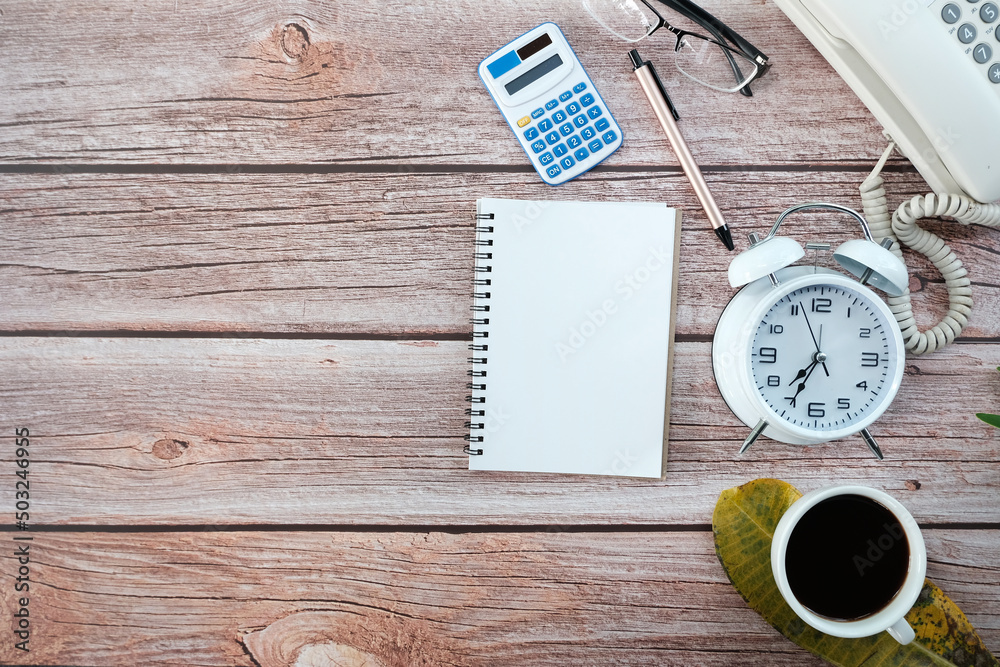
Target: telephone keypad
<point>970,30</point>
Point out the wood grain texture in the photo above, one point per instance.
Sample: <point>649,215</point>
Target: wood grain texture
<point>174,81</point>
<point>372,254</point>
<point>404,599</point>
<point>235,255</point>
<point>195,431</point>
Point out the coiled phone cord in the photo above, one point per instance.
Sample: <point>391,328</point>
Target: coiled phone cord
<point>902,226</point>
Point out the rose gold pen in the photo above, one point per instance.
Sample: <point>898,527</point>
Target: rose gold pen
<point>667,116</point>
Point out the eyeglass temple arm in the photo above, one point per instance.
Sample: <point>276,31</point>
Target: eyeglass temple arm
<point>714,25</point>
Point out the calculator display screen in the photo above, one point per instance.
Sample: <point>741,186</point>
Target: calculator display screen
<point>534,74</point>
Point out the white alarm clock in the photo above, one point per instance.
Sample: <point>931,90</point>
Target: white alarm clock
<point>806,355</point>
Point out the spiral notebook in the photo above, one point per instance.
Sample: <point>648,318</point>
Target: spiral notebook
<point>572,333</point>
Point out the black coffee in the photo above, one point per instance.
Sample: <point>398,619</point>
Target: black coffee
<point>847,557</point>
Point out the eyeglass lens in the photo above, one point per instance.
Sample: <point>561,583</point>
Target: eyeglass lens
<point>712,64</point>
<point>707,62</point>
<point>630,20</point>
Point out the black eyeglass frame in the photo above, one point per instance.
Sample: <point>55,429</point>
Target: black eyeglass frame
<point>719,30</point>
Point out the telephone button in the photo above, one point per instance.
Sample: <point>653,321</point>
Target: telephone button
<point>995,73</point>
<point>967,33</point>
<point>989,12</point>
<point>982,53</point>
<point>951,13</point>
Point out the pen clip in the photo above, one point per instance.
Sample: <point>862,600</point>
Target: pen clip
<point>663,91</point>
<point>638,62</point>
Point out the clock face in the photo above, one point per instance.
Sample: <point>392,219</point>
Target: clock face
<point>825,357</point>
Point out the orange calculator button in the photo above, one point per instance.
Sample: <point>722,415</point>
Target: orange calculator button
<point>524,121</point>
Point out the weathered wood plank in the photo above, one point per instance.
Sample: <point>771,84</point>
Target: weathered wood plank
<point>221,598</point>
<point>312,81</point>
<point>203,431</point>
<point>364,254</point>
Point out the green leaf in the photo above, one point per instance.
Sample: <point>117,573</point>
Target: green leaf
<point>992,420</point>
<point>743,524</point>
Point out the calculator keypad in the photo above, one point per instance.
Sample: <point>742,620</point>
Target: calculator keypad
<point>972,25</point>
<point>570,132</point>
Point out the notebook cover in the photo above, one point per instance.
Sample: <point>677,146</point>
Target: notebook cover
<point>580,325</point>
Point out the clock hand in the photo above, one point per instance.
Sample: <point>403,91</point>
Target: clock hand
<point>825,369</point>
<point>802,385</point>
<point>815,342</point>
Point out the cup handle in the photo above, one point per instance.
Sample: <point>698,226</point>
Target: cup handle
<point>901,632</point>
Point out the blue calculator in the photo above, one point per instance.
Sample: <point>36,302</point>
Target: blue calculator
<point>551,104</point>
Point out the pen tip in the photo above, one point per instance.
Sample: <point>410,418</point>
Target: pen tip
<point>724,236</point>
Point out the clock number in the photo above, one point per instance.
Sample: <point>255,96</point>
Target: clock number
<point>865,333</point>
<point>768,355</point>
<point>777,329</point>
<point>773,381</point>
<point>816,410</point>
<point>795,310</point>
<point>869,359</point>
<point>863,385</point>
<point>843,404</point>
<point>821,305</point>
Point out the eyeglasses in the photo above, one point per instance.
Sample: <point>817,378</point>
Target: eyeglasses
<point>708,61</point>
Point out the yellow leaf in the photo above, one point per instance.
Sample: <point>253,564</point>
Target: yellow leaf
<point>743,524</point>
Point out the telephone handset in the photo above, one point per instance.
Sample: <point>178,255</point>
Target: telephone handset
<point>929,70</point>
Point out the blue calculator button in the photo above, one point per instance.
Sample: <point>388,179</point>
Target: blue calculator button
<point>559,117</point>
<point>551,104</point>
<point>574,141</point>
<point>545,125</point>
<point>552,137</point>
<point>538,113</point>
<point>588,133</point>
<point>594,146</point>
<point>565,96</point>
<point>582,154</point>
<point>602,124</point>
<point>594,112</point>
<point>572,108</point>
<point>545,157</point>
<point>566,129</point>
<point>587,100</point>
<point>567,162</point>
<point>580,87</point>
<point>581,120</point>
<point>553,171</point>
<point>609,136</point>
<point>560,150</point>
<point>538,146</point>
<point>531,133</point>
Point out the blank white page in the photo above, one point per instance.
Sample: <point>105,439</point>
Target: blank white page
<point>581,298</point>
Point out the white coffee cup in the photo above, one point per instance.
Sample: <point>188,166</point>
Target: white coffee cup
<point>890,617</point>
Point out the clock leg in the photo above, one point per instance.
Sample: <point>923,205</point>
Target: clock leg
<point>872,445</point>
<point>754,434</point>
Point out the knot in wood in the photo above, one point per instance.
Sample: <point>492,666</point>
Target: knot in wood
<point>168,448</point>
<point>294,41</point>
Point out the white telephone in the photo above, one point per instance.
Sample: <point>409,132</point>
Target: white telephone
<point>929,70</point>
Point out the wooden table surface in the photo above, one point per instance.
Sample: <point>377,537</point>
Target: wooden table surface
<point>235,265</point>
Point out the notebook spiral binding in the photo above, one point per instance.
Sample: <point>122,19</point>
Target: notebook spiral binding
<point>480,321</point>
